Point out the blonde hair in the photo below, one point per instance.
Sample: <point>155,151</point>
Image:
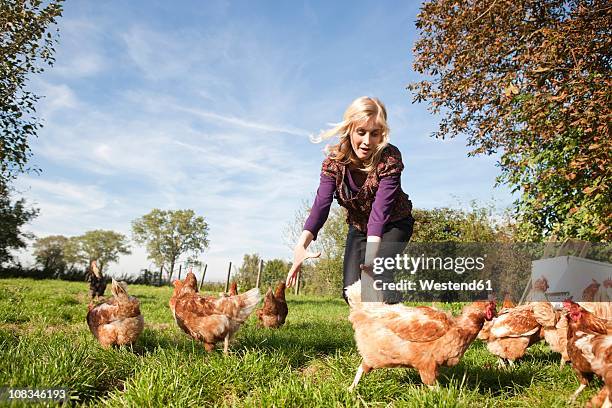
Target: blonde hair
<point>359,111</point>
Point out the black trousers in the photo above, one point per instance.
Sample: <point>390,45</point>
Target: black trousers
<point>394,240</point>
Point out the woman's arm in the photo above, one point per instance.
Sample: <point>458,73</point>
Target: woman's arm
<point>383,204</point>
<point>316,219</point>
<point>305,239</point>
<point>320,207</point>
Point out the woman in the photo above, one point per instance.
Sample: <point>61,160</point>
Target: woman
<point>363,172</point>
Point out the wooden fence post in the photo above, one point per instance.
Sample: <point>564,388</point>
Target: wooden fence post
<point>203,276</point>
<point>180,269</point>
<point>161,271</point>
<point>259,273</point>
<point>229,272</point>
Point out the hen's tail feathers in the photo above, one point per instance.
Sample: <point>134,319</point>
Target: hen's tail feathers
<point>599,309</point>
<point>119,288</point>
<point>269,296</point>
<point>279,293</point>
<point>353,294</point>
<point>544,314</point>
<point>233,289</point>
<point>249,301</point>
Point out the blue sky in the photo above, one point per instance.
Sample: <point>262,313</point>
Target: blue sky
<point>209,105</point>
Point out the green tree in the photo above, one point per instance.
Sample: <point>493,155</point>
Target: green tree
<point>103,246</point>
<point>26,46</point>
<point>63,257</point>
<point>49,254</point>
<point>247,273</point>
<point>169,234</point>
<point>13,216</point>
<point>445,224</point>
<point>477,230</point>
<point>274,270</point>
<point>530,80</point>
<point>72,254</point>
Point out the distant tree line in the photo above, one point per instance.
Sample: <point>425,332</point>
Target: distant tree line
<point>167,236</point>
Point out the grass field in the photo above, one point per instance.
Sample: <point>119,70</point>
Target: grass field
<point>45,342</point>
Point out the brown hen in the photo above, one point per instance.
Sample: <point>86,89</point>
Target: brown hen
<point>118,320</point>
<point>589,346</point>
<point>420,337</point>
<point>513,331</point>
<point>274,310</point>
<point>517,328</point>
<point>508,303</point>
<point>209,319</point>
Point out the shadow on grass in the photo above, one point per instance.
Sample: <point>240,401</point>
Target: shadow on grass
<point>541,357</point>
<point>280,344</point>
<point>152,298</point>
<point>488,379</point>
<point>485,379</point>
<point>168,339</point>
<point>412,377</point>
<point>315,302</point>
<point>8,339</point>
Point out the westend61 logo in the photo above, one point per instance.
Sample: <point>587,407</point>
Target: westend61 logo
<point>414,264</point>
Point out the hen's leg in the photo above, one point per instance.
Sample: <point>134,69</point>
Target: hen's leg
<point>363,368</point>
<point>607,402</point>
<point>226,345</point>
<point>578,391</point>
<point>584,379</point>
<point>357,378</point>
<point>429,374</point>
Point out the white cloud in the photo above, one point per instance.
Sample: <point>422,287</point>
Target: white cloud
<point>58,97</point>
<point>86,197</point>
<point>176,54</point>
<point>67,207</point>
<point>83,64</point>
<point>80,52</point>
<point>211,116</point>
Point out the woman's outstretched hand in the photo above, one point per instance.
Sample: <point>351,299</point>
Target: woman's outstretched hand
<point>300,254</point>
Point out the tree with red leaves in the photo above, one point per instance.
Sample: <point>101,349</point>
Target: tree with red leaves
<point>529,80</point>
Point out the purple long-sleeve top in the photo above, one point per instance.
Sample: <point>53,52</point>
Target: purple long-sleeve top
<point>381,207</point>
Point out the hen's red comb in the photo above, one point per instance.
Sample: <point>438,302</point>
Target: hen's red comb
<point>569,304</point>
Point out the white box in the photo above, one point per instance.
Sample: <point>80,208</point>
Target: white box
<point>569,276</point>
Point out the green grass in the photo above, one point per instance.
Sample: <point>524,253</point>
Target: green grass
<point>45,342</point>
